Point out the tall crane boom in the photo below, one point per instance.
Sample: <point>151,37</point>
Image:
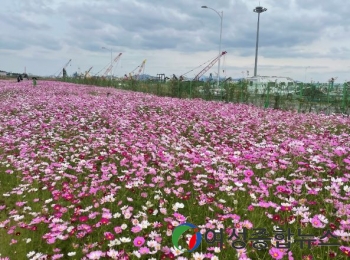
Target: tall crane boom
<point>87,72</point>
<point>111,66</point>
<point>211,64</point>
<point>142,67</point>
<point>64,68</point>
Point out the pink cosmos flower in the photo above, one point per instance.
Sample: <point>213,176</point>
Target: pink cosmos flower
<point>316,222</point>
<point>247,224</point>
<point>144,250</point>
<point>139,241</point>
<point>118,230</point>
<point>136,229</point>
<point>20,203</point>
<point>179,217</point>
<point>290,255</point>
<point>248,173</point>
<point>57,256</point>
<point>276,253</point>
<point>250,207</point>
<point>280,188</point>
<point>94,255</point>
<point>106,215</point>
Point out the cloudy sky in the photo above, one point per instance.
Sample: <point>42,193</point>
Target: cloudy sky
<point>302,39</point>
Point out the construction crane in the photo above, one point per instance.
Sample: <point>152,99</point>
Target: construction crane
<point>111,66</point>
<point>64,68</point>
<point>87,72</point>
<point>211,64</point>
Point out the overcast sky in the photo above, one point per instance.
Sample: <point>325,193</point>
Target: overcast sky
<point>177,37</point>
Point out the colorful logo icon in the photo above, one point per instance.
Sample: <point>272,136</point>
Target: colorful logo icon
<point>195,240</point>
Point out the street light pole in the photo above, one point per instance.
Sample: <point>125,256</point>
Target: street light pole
<point>111,61</point>
<point>258,10</point>
<point>221,15</point>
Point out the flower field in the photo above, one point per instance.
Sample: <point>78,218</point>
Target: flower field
<point>98,173</point>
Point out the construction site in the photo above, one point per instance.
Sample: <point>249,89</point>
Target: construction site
<point>136,74</point>
<point>265,91</point>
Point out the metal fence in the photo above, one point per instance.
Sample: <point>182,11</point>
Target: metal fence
<point>325,98</point>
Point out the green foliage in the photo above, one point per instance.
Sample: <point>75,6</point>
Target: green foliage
<point>304,98</point>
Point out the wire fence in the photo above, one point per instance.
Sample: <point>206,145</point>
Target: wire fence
<point>327,98</point>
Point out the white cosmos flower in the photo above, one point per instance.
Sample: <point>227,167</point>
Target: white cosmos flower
<point>322,218</point>
<point>228,188</point>
<point>152,243</point>
<point>177,251</point>
<point>300,210</point>
<point>177,206</point>
<point>217,249</point>
<point>198,256</point>
<point>341,233</point>
<point>149,204</point>
<point>125,240</point>
<point>124,226</point>
<point>292,221</point>
<point>117,215</point>
<point>137,254</point>
<point>144,224</point>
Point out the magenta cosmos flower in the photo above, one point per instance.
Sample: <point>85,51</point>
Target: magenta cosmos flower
<point>345,250</point>
<point>109,236</point>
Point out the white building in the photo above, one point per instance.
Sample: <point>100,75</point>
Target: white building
<point>2,73</point>
<point>273,84</point>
